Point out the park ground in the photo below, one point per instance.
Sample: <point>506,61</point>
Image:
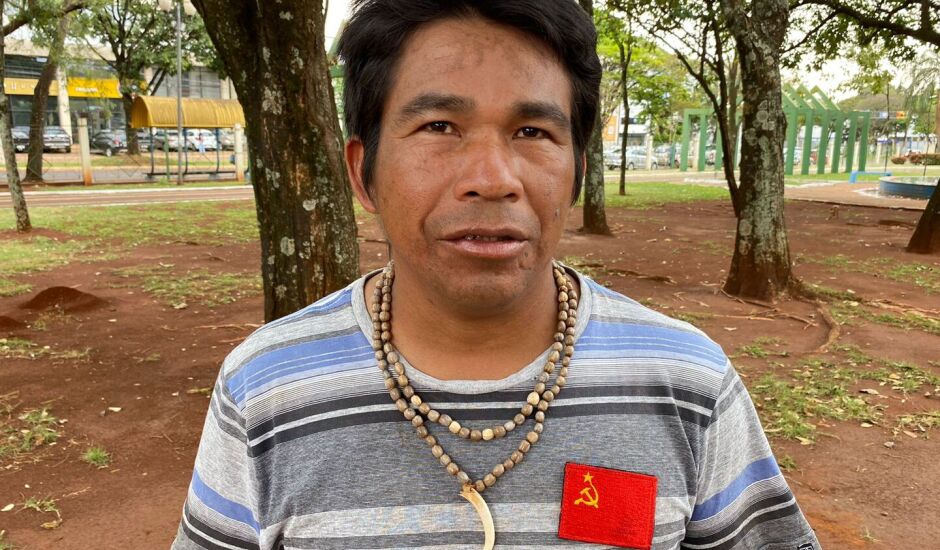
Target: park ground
<point>114,322</point>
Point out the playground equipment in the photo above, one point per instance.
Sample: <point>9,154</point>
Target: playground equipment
<point>805,110</point>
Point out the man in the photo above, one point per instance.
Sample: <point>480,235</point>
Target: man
<point>565,413</point>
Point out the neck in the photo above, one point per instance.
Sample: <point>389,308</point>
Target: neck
<point>450,342</point>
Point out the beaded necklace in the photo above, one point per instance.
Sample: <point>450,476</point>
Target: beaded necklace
<point>418,412</point>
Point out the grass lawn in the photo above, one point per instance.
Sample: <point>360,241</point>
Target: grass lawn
<point>647,195</point>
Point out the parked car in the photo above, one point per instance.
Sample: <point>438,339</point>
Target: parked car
<point>227,139</point>
<point>662,154</point>
<point>634,158</point>
<point>163,139</point>
<point>20,138</point>
<point>201,138</point>
<point>109,142</point>
<point>55,138</point>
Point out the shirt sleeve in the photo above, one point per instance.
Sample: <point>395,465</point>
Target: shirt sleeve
<point>743,501</point>
<point>220,511</point>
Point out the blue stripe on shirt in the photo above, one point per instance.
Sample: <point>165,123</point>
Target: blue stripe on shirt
<point>759,470</point>
<point>618,337</point>
<point>222,505</point>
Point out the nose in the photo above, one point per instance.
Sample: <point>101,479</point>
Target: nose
<point>489,171</point>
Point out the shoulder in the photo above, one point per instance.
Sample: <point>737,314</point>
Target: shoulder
<point>321,339</point>
<point>626,326</point>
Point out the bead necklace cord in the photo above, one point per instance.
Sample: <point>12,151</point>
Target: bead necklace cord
<point>418,412</point>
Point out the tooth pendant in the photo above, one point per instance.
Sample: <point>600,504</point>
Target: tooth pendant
<point>476,499</point>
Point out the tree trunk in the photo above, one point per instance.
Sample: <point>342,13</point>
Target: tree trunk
<point>37,116</point>
<point>276,56</point>
<point>133,144</point>
<point>926,238</point>
<point>760,266</point>
<point>9,151</point>
<point>625,58</point>
<point>594,216</point>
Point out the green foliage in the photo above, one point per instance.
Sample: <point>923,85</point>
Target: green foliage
<point>97,456</point>
<point>139,36</point>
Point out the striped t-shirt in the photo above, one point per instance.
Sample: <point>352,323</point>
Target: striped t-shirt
<point>303,448</point>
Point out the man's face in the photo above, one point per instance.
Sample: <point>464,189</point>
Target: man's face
<point>475,164</point>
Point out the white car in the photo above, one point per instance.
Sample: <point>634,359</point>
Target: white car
<point>201,140</point>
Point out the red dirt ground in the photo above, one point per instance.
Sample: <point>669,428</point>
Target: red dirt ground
<point>857,492</point>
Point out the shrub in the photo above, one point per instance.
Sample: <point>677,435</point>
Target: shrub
<point>931,159</point>
<point>898,160</point>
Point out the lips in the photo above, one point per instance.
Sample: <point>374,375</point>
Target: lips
<point>489,243</point>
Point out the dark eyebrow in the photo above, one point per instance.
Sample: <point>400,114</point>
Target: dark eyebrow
<point>434,102</point>
<point>542,110</point>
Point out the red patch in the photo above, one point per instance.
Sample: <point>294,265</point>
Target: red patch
<point>607,506</point>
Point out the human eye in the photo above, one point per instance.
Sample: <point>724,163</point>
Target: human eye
<point>439,127</point>
<point>531,132</point>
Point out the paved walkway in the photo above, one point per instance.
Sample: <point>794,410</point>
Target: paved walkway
<point>858,194</point>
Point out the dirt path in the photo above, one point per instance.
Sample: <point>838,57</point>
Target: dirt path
<point>154,363</point>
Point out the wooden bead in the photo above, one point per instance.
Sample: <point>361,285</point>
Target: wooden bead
<point>548,395</point>
<point>562,315</point>
<point>556,389</point>
<point>532,437</point>
<point>445,459</point>
<point>390,385</point>
<point>557,346</point>
<point>430,440</point>
<point>569,340</point>
<point>539,388</point>
<point>408,392</point>
<point>385,307</point>
<point>454,426</point>
<point>561,326</point>
<point>479,486</point>
<point>417,420</point>
<point>476,435</point>
<point>543,405</point>
<point>538,428</point>
<point>540,417</point>
<point>384,316</point>
<point>532,399</point>
<point>554,356</point>
<point>571,321</point>
<point>396,395</point>
<point>433,415</point>
<point>499,432</point>
<point>524,445</point>
<point>526,410</point>
<point>402,405</point>
<point>444,420</point>
<point>399,369</point>
<point>379,355</point>
<point>518,419</point>
<point>508,464</point>
<point>463,477</point>
<point>403,381</point>
<point>409,414</point>
<point>489,480</point>
<point>452,468</point>
<point>422,431</point>
<point>392,358</point>
<point>415,399</point>
<point>376,345</point>
<point>424,408</point>
<point>437,451</point>
<point>573,304</point>
<point>561,381</point>
<point>488,434</point>
<point>509,426</point>
<point>386,336</point>
<point>517,457</point>
<point>388,349</point>
<point>385,326</point>
<point>498,470</point>
<point>569,331</point>
<point>464,432</point>
<point>562,296</point>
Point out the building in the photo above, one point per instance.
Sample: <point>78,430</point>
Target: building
<point>88,87</point>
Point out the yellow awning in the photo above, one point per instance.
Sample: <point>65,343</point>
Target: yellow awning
<point>160,112</point>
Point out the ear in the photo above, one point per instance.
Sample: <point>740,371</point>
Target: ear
<point>355,153</point>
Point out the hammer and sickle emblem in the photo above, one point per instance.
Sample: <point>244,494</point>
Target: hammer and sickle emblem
<point>589,495</point>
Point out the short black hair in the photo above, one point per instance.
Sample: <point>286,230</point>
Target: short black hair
<point>372,43</point>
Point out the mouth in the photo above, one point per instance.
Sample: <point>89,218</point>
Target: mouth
<point>490,243</point>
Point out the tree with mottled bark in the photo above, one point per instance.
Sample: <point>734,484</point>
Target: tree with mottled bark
<point>760,266</point>
<point>37,117</point>
<point>593,214</point>
<point>18,14</point>
<point>275,54</point>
